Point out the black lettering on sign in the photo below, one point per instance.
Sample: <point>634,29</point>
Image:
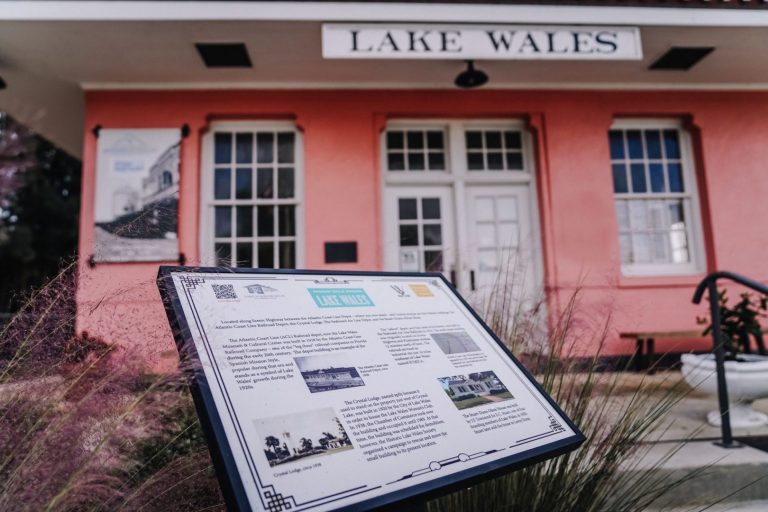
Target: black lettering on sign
<point>607,42</point>
<point>552,48</point>
<point>529,42</point>
<point>581,42</point>
<point>500,39</point>
<point>355,48</point>
<point>450,44</point>
<point>414,40</point>
<point>390,41</point>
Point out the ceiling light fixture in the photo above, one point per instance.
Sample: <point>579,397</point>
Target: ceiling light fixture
<point>470,77</point>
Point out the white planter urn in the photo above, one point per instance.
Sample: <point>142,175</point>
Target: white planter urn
<point>747,381</point>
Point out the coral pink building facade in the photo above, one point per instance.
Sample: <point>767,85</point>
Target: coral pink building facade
<point>573,191</point>
<point>618,148</point>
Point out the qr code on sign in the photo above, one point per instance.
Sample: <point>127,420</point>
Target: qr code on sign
<point>224,291</point>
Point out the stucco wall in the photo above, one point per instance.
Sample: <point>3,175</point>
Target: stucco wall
<point>342,191</point>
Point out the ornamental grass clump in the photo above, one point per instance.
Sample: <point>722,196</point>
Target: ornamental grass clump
<point>83,428</point>
<point>618,417</point>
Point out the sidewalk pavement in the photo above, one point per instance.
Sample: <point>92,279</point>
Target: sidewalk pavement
<point>728,470</point>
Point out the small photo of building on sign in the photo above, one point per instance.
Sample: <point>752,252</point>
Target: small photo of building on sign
<point>302,435</point>
<point>474,389</point>
<point>327,373</point>
<point>455,342</point>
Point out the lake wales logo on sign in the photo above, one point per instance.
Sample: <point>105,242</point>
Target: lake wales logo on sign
<point>340,297</point>
<point>262,291</point>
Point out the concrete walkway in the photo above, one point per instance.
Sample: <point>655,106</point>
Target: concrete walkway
<point>725,473</point>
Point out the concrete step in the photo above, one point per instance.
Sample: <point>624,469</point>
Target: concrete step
<point>727,471</point>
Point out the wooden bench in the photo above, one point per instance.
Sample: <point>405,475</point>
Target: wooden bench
<point>645,357</point>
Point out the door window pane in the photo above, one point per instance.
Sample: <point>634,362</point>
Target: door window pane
<point>433,261</point>
<point>415,150</point>
<point>407,209</point>
<point>430,207</point>
<point>433,234</point>
<point>494,150</point>
<point>409,235</point>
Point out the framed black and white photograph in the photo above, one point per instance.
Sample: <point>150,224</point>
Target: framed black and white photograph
<point>137,195</point>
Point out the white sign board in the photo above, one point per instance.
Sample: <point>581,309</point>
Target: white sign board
<point>322,391</point>
<point>137,195</point>
<point>504,42</point>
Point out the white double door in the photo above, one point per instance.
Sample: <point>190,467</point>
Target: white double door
<point>482,237</point>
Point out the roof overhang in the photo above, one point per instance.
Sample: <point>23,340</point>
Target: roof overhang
<point>51,51</point>
<point>460,12</point>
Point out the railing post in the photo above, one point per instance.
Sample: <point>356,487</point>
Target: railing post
<point>722,387</point>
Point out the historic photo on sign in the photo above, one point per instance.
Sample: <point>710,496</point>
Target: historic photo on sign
<point>474,389</point>
<point>298,436</point>
<point>454,342</point>
<point>137,195</point>
<point>328,372</point>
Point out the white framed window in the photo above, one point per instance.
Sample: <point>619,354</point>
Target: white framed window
<point>252,195</point>
<point>656,198</point>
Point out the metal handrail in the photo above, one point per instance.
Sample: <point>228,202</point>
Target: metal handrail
<point>709,283</point>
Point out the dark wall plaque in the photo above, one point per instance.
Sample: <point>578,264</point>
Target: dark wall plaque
<point>341,252</point>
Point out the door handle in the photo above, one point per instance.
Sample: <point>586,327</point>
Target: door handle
<point>472,280</point>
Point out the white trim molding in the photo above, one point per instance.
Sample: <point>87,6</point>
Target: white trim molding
<point>76,10</point>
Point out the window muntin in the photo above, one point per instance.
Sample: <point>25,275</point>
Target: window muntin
<point>415,150</point>
<point>421,233</point>
<point>654,198</point>
<point>494,150</point>
<point>254,198</point>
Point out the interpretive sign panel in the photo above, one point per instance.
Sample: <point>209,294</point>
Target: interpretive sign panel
<point>352,390</point>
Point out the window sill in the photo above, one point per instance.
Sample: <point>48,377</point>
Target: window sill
<point>661,281</point>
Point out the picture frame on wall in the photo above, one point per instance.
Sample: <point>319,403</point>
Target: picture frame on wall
<point>137,195</point>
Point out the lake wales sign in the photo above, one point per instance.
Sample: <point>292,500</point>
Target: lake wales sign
<point>324,391</point>
<point>503,42</point>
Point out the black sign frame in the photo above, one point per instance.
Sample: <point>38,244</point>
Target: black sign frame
<point>230,480</point>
